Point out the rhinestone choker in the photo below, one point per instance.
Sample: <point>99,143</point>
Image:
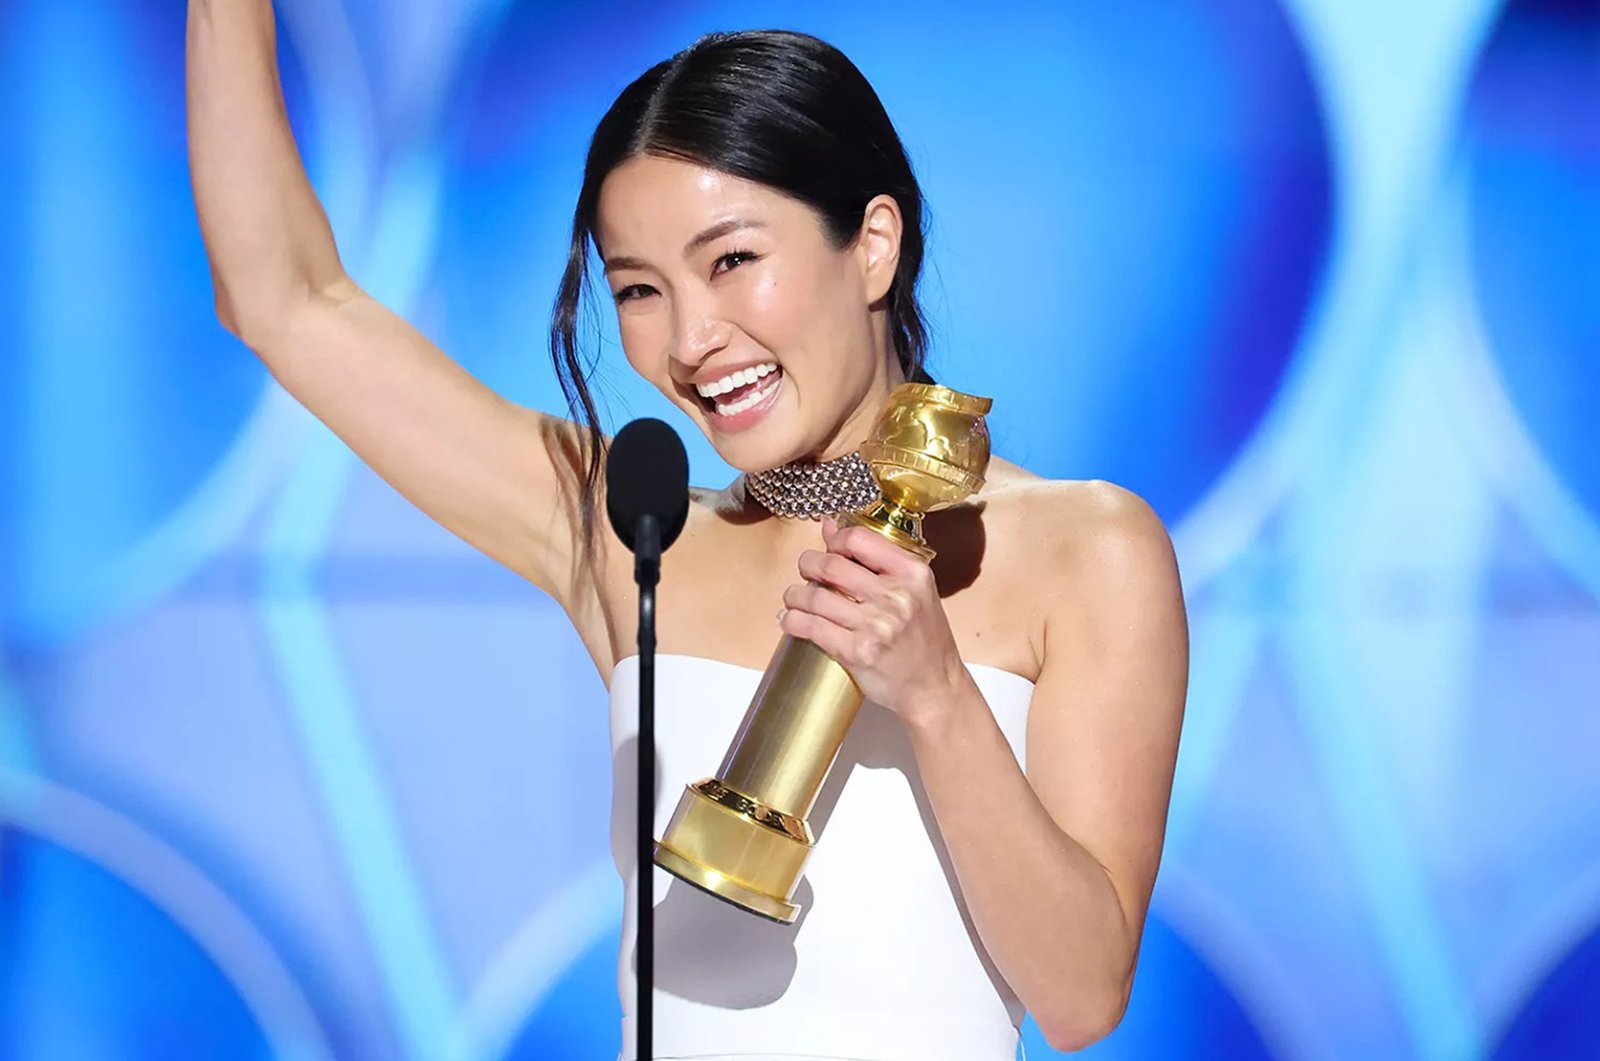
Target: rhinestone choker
<point>812,491</point>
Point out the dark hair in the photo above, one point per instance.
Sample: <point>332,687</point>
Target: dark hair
<point>779,108</point>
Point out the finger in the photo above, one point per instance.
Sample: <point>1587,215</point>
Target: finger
<point>872,551</point>
<point>829,637</point>
<point>840,572</point>
<point>822,601</point>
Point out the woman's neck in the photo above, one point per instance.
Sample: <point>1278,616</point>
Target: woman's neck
<point>854,429</point>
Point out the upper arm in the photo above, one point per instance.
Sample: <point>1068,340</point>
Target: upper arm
<point>1103,728</point>
<point>503,477</point>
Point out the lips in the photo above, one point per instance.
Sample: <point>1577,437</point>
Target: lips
<point>748,405</point>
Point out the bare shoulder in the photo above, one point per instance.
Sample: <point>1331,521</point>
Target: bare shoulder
<point>1097,549</point>
<point>1101,522</point>
<point>1081,520</point>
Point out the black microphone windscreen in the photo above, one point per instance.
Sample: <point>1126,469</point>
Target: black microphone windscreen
<point>647,472</point>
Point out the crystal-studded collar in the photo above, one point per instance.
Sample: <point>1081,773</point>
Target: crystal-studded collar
<point>802,490</point>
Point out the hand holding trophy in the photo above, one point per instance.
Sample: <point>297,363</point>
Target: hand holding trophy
<point>742,834</point>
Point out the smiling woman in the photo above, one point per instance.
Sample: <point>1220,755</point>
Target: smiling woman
<point>768,279</point>
<point>999,807</point>
<point>724,140</point>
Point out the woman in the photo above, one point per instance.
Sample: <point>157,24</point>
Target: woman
<point>759,229</point>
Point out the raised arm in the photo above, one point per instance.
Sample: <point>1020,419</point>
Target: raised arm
<point>500,476</point>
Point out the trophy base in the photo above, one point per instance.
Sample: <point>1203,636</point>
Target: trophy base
<point>727,844</point>
<point>727,889</point>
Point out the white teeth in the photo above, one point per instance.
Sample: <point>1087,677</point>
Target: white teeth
<point>755,397</point>
<point>736,379</point>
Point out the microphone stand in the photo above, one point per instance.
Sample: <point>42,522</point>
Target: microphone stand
<point>646,572</point>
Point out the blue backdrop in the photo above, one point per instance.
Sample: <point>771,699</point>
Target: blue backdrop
<point>287,771</point>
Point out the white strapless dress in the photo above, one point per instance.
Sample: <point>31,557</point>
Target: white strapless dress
<point>881,965</point>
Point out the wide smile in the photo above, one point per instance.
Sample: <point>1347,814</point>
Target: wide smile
<point>740,408</point>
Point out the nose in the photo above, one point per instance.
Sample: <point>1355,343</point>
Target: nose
<point>700,333</point>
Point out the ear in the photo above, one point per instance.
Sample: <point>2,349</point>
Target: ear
<point>878,245</point>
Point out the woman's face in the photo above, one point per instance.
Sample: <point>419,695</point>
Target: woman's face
<point>733,302</point>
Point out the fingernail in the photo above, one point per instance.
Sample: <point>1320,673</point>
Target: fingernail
<point>781,613</point>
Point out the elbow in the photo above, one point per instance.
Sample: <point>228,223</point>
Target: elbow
<point>261,321</point>
<point>260,329</point>
<point>228,317</point>
<point>248,320</point>
<point>1080,1026</point>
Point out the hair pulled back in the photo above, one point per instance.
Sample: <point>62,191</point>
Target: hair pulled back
<point>779,108</point>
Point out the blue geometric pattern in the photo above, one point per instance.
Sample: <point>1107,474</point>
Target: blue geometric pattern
<point>288,771</point>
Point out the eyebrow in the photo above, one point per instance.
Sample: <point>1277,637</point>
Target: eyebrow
<point>715,232</point>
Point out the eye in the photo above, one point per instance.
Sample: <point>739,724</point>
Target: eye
<point>633,291</point>
<point>733,259</point>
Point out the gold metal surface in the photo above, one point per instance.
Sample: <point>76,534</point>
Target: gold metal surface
<point>707,879</point>
<point>737,854</point>
<point>742,834</point>
<point>780,755</point>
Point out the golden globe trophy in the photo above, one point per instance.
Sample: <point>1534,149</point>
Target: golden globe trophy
<point>742,834</point>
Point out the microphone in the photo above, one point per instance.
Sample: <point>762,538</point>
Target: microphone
<point>647,502</point>
<point>647,477</point>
